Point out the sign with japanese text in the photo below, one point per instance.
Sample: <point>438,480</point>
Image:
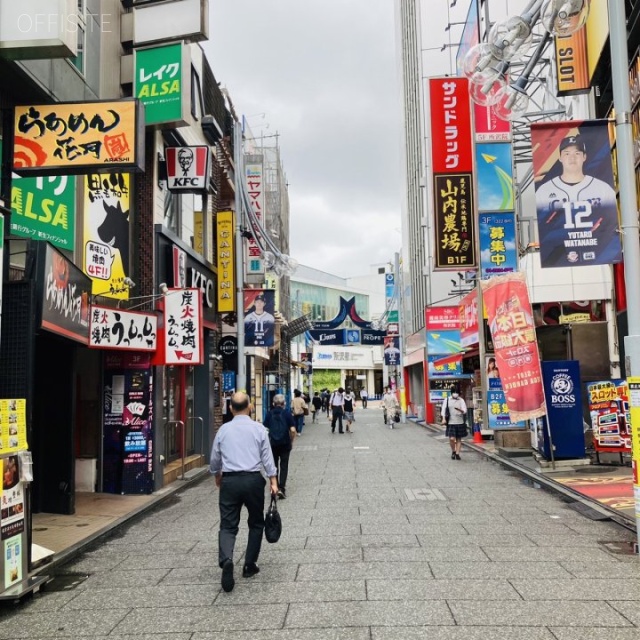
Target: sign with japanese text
<point>451,141</point>
<point>259,320</point>
<point>609,412</point>
<point>441,366</point>
<point>498,251</point>
<point>64,293</point>
<point>13,425</point>
<point>454,225</point>
<point>225,225</point>
<point>183,331</point>
<point>575,194</point>
<point>106,233</point>
<point>255,188</point>
<point>506,300</point>
<point>498,411</point>
<point>438,318</point>
<point>634,397</point>
<point>188,169</point>
<point>118,329</point>
<point>158,83</point>
<point>468,310</point>
<point>488,127</point>
<point>66,138</point>
<point>44,209</point>
<point>494,174</point>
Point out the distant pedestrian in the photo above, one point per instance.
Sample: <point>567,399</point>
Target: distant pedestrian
<point>390,406</point>
<point>316,405</point>
<point>298,405</point>
<point>240,450</point>
<point>324,396</point>
<point>336,403</point>
<point>349,408</point>
<point>454,414</point>
<point>364,396</point>
<point>282,433</point>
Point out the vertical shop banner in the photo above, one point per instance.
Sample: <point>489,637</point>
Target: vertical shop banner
<point>572,66</point>
<point>444,342</point>
<point>488,127</point>
<point>106,233</point>
<point>506,300</point>
<point>494,171</point>
<point>158,83</point>
<point>634,397</point>
<point>609,412</point>
<point>392,351</point>
<point>255,187</point>
<point>444,366</point>
<point>226,258</point>
<point>468,313</point>
<point>183,330</point>
<point>575,194</point>
<point>441,318</point>
<point>470,35</point>
<point>498,251</point>
<point>259,320</point>
<point>453,224</point>
<point>13,425</point>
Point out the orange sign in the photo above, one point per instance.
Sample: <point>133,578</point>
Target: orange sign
<point>77,138</point>
<point>572,67</point>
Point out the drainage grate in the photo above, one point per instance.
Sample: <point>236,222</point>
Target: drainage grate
<point>588,511</point>
<point>66,581</point>
<point>621,547</point>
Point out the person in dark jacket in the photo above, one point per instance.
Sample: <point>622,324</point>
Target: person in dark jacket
<point>316,405</point>
<point>282,432</point>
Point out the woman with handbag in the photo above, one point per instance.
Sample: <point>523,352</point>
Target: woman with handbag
<point>298,408</point>
<point>454,413</point>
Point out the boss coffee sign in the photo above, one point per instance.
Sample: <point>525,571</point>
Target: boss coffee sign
<point>188,168</point>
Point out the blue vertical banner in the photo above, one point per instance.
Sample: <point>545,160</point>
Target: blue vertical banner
<point>494,167</point>
<point>498,249</point>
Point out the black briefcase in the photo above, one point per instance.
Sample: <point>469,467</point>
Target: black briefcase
<point>272,522</point>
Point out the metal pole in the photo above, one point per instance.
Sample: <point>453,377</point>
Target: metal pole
<point>626,180</point>
<point>400,369</point>
<point>241,377</point>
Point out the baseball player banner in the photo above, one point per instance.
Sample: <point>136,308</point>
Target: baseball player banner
<point>392,350</point>
<point>506,300</point>
<point>575,195</point>
<point>259,321</point>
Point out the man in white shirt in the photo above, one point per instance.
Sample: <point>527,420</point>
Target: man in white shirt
<point>336,403</point>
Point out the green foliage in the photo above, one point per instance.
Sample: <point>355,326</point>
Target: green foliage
<point>329,378</point>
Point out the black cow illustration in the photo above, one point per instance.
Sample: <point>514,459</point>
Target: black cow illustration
<point>114,231</point>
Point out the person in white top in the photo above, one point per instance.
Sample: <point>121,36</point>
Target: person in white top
<point>454,413</point>
<point>390,405</point>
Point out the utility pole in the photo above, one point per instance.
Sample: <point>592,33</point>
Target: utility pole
<point>241,377</point>
<point>400,376</point>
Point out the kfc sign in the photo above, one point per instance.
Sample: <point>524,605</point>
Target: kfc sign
<point>188,168</point>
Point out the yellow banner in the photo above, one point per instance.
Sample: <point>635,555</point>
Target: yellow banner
<point>634,408</point>
<point>106,233</point>
<point>13,426</point>
<point>226,256</point>
<point>198,232</point>
<point>75,137</point>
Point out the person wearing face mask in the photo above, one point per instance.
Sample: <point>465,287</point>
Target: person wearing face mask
<point>454,412</point>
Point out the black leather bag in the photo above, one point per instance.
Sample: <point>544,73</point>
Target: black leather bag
<point>272,522</point>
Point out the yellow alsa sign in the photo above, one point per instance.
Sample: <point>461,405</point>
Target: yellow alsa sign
<point>225,252</point>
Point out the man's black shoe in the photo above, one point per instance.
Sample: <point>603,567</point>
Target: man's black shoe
<point>282,493</point>
<point>250,570</point>
<point>227,581</point>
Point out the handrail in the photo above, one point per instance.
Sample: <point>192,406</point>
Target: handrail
<point>201,433</point>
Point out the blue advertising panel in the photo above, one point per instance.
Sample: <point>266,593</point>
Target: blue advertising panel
<point>369,336</point>
<point>445,366</point>
<point>498,251</point>
<point>498,411</point>
<point>494,166</point>
<point>329,337</point>
<point>444,342</point>
<point>228,380</point>
<point>353,336</point>
<point>563,396</point>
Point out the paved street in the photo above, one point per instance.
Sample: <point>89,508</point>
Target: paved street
<point>385,538</point>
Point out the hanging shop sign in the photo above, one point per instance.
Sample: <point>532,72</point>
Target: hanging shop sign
<point>13,425</point>
<point>188,169</point>
<point>183,329</point>
<point>392,351</point>
<point>118,329</point>
<point>609,411</point>
<point>106,254</point>
<point>498,251</point>
<point>454,227</point>
<point>469,328</point>
<point>259,320</point>
<point>336,357</point>
<point>67,138</point>
<point>575,194</point>
<point>450,111</point>
<point>441,366</point>
<point>371,337</point>
<point>634,390</point>
<point>159,83</point>
<point>334,336</point>
<point>64,293</point>
<point>488,127</point>
<point>494,171</point>
<point>572,66</point>
<point>444,342</point>
<point>439,318</point>
<point>254,169</point>
<point>228,381</point>
<point>226,258</point>
<point>506,300</point>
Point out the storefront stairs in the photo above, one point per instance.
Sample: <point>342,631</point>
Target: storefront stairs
<point>173,471</point>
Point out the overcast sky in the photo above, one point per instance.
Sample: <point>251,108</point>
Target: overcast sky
<point>324,75</point>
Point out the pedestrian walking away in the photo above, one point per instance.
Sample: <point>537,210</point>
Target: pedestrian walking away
<point>282,433</point>
<point>349,408</point>
<point>324,396</point>
<point>240,451</point>
<point>364,396</point>
<point>390,406</point>
<point>337,409</point>
<point>316,405</point>
<point>298,405</point>
<point>454,415</point>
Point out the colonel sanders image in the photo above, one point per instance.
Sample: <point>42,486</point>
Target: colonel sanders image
<point>185,159</point>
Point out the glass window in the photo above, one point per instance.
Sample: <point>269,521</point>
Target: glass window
<point>81,34</point>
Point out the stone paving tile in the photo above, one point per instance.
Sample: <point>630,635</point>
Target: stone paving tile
<point>205,619</point>
<point>371,518</point>
<point>496,570</point>
<point>323,530</point>
<point>171,560</point>
<point>586,633</point>
<point>533,554</point>
<point>629,610</point>
<point>540,613</point>
<point>350,633</point>
<point>178,536</point>
<point>447,517</point>
<point>248,592</point>
<point>60,624</point>
<point>177,546</point>
<point>96,564</point>
<point>578,589</point>
<point>173,636</point>
<point>211,575</point>
<point>608,569</point>
<point>358,614</point>
<point>367,570</point>
<point>478,541</point>
<point>285,542</point>
<point>446,554</point>
<point>461,633</point>
<point>125,578</point>
<point>551,527</point>
<point>45,601</point>
<point>306,556</point>
<point>440,590</point>
<point>564,540</point>
<point>364,541</point>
